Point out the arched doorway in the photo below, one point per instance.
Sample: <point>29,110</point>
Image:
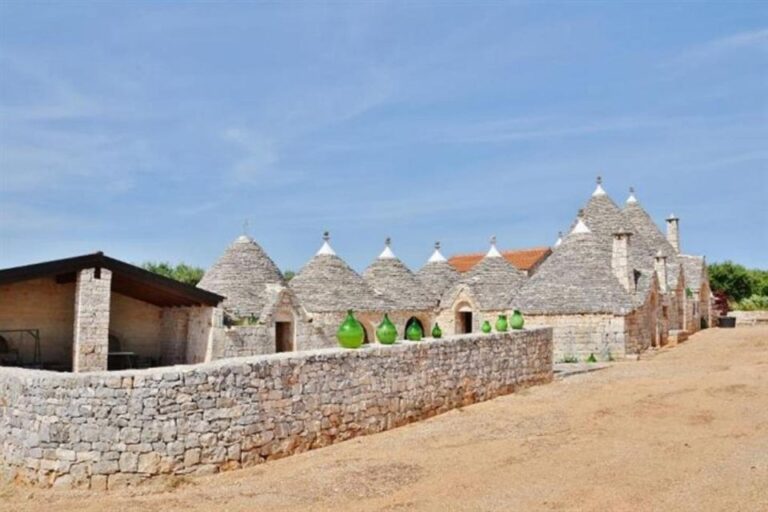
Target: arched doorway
<point>411,321</point>
<point>464,318</point>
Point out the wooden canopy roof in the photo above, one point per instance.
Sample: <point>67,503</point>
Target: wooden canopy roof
<point>127,279</point>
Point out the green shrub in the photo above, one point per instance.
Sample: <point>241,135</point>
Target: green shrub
<point>591,358</point>
<point>753,303</point>
<point>570,358</point>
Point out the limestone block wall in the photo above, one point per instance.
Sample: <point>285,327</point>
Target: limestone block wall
<point>47,306</point>
<point>91,330</point>
<point>137,324</point>
<point>644,327</point>
<point>750,317</point>
<point>579,336</point>
<point>201,327</point>
<point>108,429</point>
<point>173,332</point>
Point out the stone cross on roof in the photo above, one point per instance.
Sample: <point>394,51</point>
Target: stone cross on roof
<point>493,252</point>
<point>631,198</point>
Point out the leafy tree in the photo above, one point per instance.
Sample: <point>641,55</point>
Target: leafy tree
<point>732,279</point>
<point>181,272</point>
<point>289,274</point>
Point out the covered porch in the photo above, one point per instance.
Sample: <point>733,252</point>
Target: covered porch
<point>92,312</point>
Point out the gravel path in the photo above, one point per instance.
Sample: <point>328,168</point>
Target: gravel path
<point>685,428</point>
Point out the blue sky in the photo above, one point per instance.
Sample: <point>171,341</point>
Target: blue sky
<point>152,130</point>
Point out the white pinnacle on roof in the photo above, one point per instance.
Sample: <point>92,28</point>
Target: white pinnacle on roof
<point>493,252</point>
<point>599,190</point>
<point>631,198</point>
<point>559,239</point>
<point>580,227</point>
<point>326,248</point>
<point>437,256</point>
<point>387,253</point>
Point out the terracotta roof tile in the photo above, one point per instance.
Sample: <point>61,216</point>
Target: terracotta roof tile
<point>523,259</point>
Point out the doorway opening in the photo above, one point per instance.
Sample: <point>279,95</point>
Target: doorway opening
<point>283,336</point>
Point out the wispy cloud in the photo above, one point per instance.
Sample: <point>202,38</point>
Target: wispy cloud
<point>709,51</point>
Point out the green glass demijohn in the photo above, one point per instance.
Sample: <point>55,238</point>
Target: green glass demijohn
<point>501,324</point>
<point>350,333</point>
<point>413,332</point>
<point>437,332</point>
<point>386,332</point>
<point>486,327</point>
<point>517,321</point>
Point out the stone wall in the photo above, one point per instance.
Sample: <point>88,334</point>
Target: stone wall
<point>47,306</point>
<point>578,336</point>
<point>137,324</point>
<point>750,317</point>
<point>91,332</point>
<point>104,430</point>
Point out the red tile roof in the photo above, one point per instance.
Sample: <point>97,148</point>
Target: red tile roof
<point>523,259</point>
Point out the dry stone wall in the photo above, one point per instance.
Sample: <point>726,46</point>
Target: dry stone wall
<point>110,429</point>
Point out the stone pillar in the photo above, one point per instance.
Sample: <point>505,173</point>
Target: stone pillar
<point>673,232</point>
<point>620,260</point>
<point>660,264</point>
<point>91,332</point>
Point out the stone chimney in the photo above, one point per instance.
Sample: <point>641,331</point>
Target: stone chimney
<point>620,259</point>
<point>660,264</point>
<point>673,232</point>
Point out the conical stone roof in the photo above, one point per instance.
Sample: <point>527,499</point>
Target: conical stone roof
<point>494,282</point>
<point>651,239</point>
<point>388,276</point>
<point>328,284</point>
<point>242,274</point>
<point>605,218</point>
<point>437,275</point>
<point>644,226</point>
<point>576,278</point>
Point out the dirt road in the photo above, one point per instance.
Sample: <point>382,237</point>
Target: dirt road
<point>683,429</point>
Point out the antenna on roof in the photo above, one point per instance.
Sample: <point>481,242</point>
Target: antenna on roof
<point>245,227</point>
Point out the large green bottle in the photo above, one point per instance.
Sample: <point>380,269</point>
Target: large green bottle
<point>350,333</point>
<point>386,332</point>
<point>414,332</point>
<point>486,327</point>
<point>517,320</point>
<point>437,332</point>
<point>501,323</point>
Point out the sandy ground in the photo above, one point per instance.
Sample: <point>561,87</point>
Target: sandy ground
<point>685,428</point>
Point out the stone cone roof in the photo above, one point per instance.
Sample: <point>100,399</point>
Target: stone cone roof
<point>576,278</point>
<point>604,218</point>
<point>242,274</point>
<point>437,277</point>
<point>494,282</point>
<point>694,270</point>
<point>388,276</point>
<point>652,240</point>
<point>644,226</point>
<point>328,284</point>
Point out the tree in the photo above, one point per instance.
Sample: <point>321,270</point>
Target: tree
<point>732,279</point>
<point>181,272</point>
<point>289,274</point>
